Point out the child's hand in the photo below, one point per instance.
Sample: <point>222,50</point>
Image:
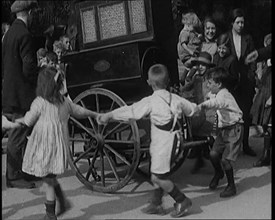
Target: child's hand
<point>6,124</point>
<point>198,108</point>
<point>20,121</point>
<point>103,118</point>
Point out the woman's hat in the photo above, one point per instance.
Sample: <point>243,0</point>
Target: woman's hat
<point>204,58</point>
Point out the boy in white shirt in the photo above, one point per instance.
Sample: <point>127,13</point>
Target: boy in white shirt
<point>228,142</point>
<point>163,108</point>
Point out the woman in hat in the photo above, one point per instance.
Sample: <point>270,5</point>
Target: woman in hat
<point>195,90</point>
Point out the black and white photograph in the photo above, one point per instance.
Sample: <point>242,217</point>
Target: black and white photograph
<point>136,109</point>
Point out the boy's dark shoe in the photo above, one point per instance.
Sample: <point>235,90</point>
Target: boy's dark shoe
<point>20,183</point>
<point>154,209</point>
<point>215,180</point>
<point>228,191</point>
<point>181,208</point>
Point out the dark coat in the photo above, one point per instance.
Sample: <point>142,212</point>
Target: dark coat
<point>246,89</point>
<point>19,69</point>
<point>230,63</point>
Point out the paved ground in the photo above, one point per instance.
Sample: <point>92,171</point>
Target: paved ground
<point>253,199</point>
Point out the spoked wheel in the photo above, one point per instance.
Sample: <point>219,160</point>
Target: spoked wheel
<point>104,157</point>
<point>180,152</point>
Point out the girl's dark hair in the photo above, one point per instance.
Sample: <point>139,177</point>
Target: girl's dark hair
<point>237,12</point>
<point>48,87</point>
<point>209,19</point>
<point>220,75</point>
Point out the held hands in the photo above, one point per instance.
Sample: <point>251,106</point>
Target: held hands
<point>251,57</point>
<point>7,125</point>
<point>103,118</point>
<point>198,108</point>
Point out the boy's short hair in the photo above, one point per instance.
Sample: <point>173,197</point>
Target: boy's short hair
<point>158,76</point>
<point>220,75</point>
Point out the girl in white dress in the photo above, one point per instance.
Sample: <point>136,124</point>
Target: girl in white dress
<point>48,145</point>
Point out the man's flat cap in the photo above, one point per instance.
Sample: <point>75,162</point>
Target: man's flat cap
<point>23,5</point>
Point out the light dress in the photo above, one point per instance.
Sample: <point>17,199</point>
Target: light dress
<point>157,107</point>
<point>48,145</point>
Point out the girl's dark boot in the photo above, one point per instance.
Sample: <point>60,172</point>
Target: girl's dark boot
<point>230,189</point>
<point>219,174</point>
<point>50,211</point>
<point>265,158</point>
<point>64,204</point>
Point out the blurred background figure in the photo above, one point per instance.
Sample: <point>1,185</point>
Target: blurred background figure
<point>261,109</point>
<point>5,28</point>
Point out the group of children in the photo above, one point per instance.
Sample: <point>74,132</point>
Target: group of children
<point>48,145</point>
<point>163,107</point>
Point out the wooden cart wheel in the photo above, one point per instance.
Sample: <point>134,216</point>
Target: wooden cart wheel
<point>104,157</point>
<point>180,152</point>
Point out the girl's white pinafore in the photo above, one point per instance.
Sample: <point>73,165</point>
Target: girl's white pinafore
<point>47,147</point>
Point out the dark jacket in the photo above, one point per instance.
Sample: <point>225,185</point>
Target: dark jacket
<point>230,63</point>
<point>19,69</point>
<point>247,72</point>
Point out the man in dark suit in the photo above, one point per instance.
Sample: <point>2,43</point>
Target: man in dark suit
<point>19,74</point>
<point>241,44</point>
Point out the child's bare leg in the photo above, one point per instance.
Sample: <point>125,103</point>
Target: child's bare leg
<point>49,182</point>
<point>230,189</point>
